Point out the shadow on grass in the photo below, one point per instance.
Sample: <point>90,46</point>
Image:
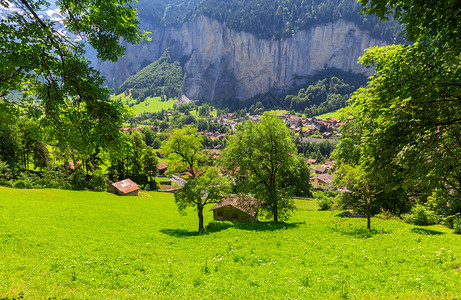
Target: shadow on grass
<point>220,226</point>
<point>212,227</point>
<point>360,232</point>
<point>426,231</point>
<point>265,226</point>
<point>348,214</point>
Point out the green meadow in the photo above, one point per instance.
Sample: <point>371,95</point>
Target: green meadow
<point>151,104</point>
<point>334,114</point>
<point>57,244</point>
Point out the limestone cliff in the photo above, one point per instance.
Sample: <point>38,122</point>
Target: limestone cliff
<point>222,63</point>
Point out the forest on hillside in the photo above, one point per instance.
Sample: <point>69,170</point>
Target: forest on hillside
<point>268,19</point>
<point>161,78</point>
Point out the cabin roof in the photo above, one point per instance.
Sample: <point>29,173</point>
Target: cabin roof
<point>326,178</point>
<point>126,186</point>
<point>242,202</point>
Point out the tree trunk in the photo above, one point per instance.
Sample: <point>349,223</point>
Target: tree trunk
<point>200,219</point>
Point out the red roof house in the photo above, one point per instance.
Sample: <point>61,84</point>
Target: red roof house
<point>125,187</point>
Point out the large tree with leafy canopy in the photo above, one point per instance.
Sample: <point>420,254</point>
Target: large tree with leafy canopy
<point>258,157</point>
<point>39,60</point>
<point>408,119</point>
<point>200,191</point>
<point>183,150</point>
<point>205,185</point>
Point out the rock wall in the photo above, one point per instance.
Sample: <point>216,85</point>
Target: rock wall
<point>221,63</point>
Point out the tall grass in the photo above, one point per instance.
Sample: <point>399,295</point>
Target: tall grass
<point>88,245</point>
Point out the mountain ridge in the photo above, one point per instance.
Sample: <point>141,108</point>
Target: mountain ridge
<point>221,63</point>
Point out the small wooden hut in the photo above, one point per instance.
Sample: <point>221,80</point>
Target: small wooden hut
<point>125,187</point>
<point>237,207</point>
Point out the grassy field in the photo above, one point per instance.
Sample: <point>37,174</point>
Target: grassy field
<point>334,114</point>
<point>87,245</point>
<point>151,104</point>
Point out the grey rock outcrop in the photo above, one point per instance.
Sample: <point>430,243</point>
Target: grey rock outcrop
<point>222,63</point>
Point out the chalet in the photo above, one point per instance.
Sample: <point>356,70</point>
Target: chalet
<point>125,187</point>
<point>311,161</point>
<point>329,162</point>
<point>322,181</point>
<point>162,167</point>
<point>320,170</point>
<point>238,207</point>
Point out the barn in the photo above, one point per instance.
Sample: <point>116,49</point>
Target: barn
<point>238,207</point>
<point>125,187</point>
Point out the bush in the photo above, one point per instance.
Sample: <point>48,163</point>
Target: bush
<point>20,184</point>
<point>326,203</point>
<point>98,182</point>
<point>421,215</point>
<point>318,195</point>
<point>31,180</point>
<point>457,225</point>
<point>78,179</point>
<point>6,183</point>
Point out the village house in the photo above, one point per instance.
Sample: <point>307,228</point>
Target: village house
<point>311,161</point>
<point>238,207</point>
<point>162,167</point>
<point>320,170</point>
<point>322,182</point>
<point>125,187</point>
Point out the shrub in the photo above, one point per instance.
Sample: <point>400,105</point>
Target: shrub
<point>326,203</point>
<point>318,195</point>
<point>78,179</point>
<point>6,183</point>
<point>20,184</point>
<point>457,225</point>
<point>421,215</point>
<point>5,171</point>
<point>31,180</point>
<point>98,181</point>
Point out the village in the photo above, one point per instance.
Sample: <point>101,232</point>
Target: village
<point>241,207</point>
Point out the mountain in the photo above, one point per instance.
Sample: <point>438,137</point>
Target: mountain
<point>238,49</point>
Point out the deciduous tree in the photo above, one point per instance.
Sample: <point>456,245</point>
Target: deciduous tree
<point>405,126</point>
<point>183,150</point>
<point>200,191</point>
<point>39,60</point>
<point>257,157</point>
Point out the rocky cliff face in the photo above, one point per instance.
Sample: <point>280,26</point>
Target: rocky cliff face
<point>221,63</point>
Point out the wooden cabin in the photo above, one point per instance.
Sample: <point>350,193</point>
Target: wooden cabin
<point>125,187</point>
<point>237,207</point>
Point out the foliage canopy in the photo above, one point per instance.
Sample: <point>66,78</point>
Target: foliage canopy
<point>257,157</point>
<point>404,128</point>
<point>39,60</point>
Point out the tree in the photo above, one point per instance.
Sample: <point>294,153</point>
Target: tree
<point>297,178</point>
<point>403,128</point>
<point>136,152</point>
<point>38,60</point>
<point>149,159</point>
<point>200,191</point>
<point>183,150</point>
<point>257,157</point>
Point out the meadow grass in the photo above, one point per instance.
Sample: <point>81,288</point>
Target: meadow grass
<point>277,112</point>
<point>89,245</point>
<point>151,104</point>
<point>334,114</point>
